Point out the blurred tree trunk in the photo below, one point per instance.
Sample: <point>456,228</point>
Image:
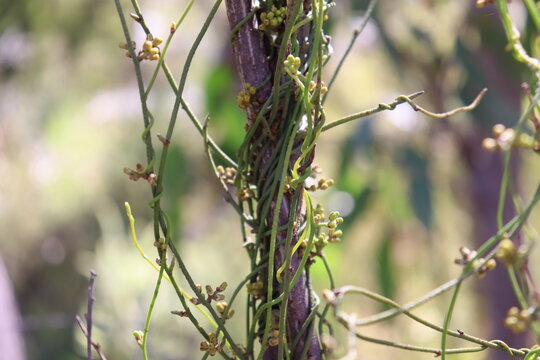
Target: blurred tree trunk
<point>11,336</point>
<point>253,66</point>
<point>487,64</point>
<point>491,66</point>
<point>487,68</point>
<point>497,296</point>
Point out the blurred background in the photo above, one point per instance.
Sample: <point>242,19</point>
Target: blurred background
<point>412,189</point>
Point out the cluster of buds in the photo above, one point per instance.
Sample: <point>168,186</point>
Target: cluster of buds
<point>320,243</point>
<point>466,256</point>
<point>245,194</point>
<point>292,64</point>
<point>139,337</point>
<point>318,214</point>
<point>483,267</point>
<point>506,251</point>
<point>141,173</point>
<point>313,85</point>
<point>272,19</point>
<point>334,235</point>
<point>244,97</point>
<point>287,187</point>
<point>504,138</point>
<point>211,293</point>
<point>482,3</point>
<point>222,308</point>
<point>322,240</point>
<point>227,175</point>
<point>312,184</point>
<point>256,289</point>
<point>273,337</point>
<point>211,346</point>
<point>160,244</point>
<point>322,184</point>
<point>150,48</point>
<point>516,320</point>
<point>480,265</point>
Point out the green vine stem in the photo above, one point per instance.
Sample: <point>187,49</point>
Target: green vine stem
<point>406,99</point>
<point>157,191</point>
<point>183,293</point>
<point>519,220</point>
<point>507,156</point>
<point>285,118</point>
<point>335,297</point>
<point>514,38</point>
<point>521,55</point>
<point>146,328</point>
<point>534,12</point>
<point>161,60</point>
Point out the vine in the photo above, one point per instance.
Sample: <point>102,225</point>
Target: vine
<point>281,49</point>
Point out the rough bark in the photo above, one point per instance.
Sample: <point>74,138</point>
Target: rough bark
<point>248,47</point>
<point>253,66</point>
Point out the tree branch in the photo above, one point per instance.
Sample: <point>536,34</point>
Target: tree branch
<point>87,330</point>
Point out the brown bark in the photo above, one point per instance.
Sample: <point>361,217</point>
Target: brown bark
<point>253,66</point>
<point>248,47</point>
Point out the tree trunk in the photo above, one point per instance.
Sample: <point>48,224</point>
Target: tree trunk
<point>253,66</point>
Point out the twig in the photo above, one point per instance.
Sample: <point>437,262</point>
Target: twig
<point>95,345</point>
<point>88,315</point>
<point>344,321</point>
<point>407,99</point>
<point>148,122</point>
<point>443,115</point>
<point>378,108</point>
<point>87,330</point>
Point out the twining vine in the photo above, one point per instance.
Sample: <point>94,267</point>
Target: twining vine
<point>281,48</point>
